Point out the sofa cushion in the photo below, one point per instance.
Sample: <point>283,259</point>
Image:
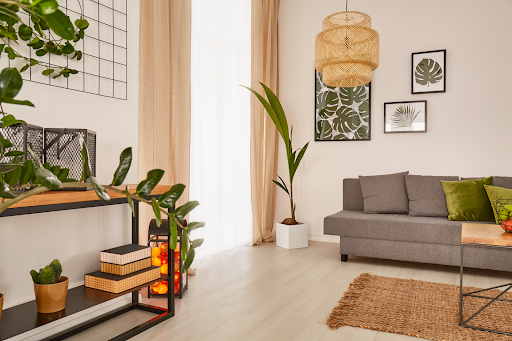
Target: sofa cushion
<point>467,200</point>
<point>433,230</point>
<point>426,195</point>
<point>498,193</point>
<point>502,181</point>
<point>352,195</point>
<point>385,193</point>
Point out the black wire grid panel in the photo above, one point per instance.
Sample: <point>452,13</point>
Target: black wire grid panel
<point>102,70</point>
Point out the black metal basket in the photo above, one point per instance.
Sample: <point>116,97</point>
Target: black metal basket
<point>21,136</point>
<point>62,148</point>
<point>499,204</point>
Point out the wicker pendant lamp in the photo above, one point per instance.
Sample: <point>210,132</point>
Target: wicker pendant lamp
<point>347,49</point>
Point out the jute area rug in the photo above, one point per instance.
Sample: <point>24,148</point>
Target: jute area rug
<point>417,308</point>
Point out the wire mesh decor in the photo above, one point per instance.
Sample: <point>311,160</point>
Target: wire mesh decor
<point>103,68</point>
<point>21,136</point>
<point>504,213</point>
<point>347,49</point>
<point>62,148</point>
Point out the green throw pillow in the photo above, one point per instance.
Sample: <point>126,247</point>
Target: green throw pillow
<point>495,193</point>
<point>467,200</point>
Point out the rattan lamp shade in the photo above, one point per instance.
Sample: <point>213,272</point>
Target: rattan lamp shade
<point>347,49</point>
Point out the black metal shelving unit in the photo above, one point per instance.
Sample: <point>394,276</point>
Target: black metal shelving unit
<point>23,318</point>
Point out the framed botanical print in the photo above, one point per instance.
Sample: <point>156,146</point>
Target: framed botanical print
<point>428,72</point>
<point>341,114</point>
<point>405,117</point>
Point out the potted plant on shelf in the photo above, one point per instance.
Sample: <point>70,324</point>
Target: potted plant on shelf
<point>50,288</point>
<point>290,234</point>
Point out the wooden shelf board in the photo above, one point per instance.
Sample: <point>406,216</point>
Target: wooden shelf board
<point>67,197</point>
<point>24,317</point>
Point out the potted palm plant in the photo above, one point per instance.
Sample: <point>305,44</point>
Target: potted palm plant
<point>290,234</point>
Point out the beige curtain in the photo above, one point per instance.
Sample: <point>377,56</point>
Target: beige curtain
<point>164,95</point>
<point>264,135</point>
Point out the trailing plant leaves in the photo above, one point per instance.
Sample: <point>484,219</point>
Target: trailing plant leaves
<point>169,198</point>
<point>48,72</point>
<point>156,210</point>
<point>24,68</point>
<point>15,153</point>
<point>5,191</point>
<point>129,199</point>
<point>188,261</point>
<point>10,120</point>
<point>8,15</point>
<point>13,177</point>
<point>7,168</point>
<point>173,227</point>
<point>25,32</point>
<point>60,24</point>
<point>182,211</point>
<point>194,225</point>
<point>81,23</point>
<point>428,72</point>
<point>125,161</point>
<point>197,242</point>
<point>86,167</point>
<point>10,82</point>
<point>27,173</point>
<point>146,186</point>
<point>15,101</point>
<point>41,52</point>
<point>56,170</point>
<point>67,48</point>
<point>47,7</point>
<point>63,174</point>
<point>99,189</point>
<point>47,179</point>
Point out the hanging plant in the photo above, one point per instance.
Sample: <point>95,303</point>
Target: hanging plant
<point>48,36</point>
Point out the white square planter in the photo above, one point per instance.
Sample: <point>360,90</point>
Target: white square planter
<point>292,236</point>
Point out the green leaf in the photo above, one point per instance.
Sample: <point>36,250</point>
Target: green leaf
<point>350,95</point>
<point>38,45</point>
<point>129,199</point>
<point>7,168</point>
<point>8,15</point>
<point>298,160</point>
<point>78,55</point>
<point>173,227</point>
<point>56,170</point>
<point>1,48</point>
<point>38,28</point>
<point>33,62</point>
<point>13,177</point>
<point>63,174</point>
<point>60,24</point>
<point>194,225</point>
<point>28,172</point>
<point>99,189</point>
<point>47,179</point>
<point>169,198</point>
<point>197,243</point>
<point>427,72</point>
<point>41,52</point>
<point>125,161</point>
<point>5,191</point>
<point>188,261</point>
<point>48,72</point>
<point>156,210</point>
<point>146,186</point>
<point>47,6</point>
<point>10,120</point>
<point>81,23</point>
<point>24,68</point>
<point>67,48</point>
<point>25,32</point>
<point>46,165</point>
<point>182,211</point>
<point>278,184</point>
<point>10,82</point>
<point>33,41</point>
<point>86,167</point>
<point>278,109</point>
<point>15,153</point>
<point>15,101</point>
<point>184,246</point>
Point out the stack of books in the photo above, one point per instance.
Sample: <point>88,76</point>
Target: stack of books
<point>123,268</point>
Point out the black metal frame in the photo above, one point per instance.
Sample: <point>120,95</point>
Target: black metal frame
<point>400,132</point>
<point>163,314</point>
<point>369,117</point>
<point>412,73</point>
<point>463,323</point>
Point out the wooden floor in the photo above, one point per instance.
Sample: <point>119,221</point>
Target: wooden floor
<point>269,293</point>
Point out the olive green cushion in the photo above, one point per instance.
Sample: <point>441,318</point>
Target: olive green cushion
<point>467,200</point>
<point>495,193</point>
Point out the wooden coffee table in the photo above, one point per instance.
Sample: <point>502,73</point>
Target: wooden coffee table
<point>482,235</point>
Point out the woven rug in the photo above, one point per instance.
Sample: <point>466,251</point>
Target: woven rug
<point>422,309</point>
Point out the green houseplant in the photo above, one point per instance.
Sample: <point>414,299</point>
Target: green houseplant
<point>45,178</point>
<point>50,288</point>
<point>294,157</point>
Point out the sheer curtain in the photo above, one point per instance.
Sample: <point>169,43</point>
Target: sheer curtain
<point>220,127</point>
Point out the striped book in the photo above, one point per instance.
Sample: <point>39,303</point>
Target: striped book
<point>117,284</point>
<point>125,254</point>
<point>126,269</point>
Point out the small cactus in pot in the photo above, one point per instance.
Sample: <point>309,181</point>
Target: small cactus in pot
<point>50,288</point>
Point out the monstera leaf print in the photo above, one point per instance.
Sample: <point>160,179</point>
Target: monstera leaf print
<point>347,120</point>
<point>364,111</point>
<point>324,130</point>
<point>362,133</point>
<point>428,72</point>
<point>350,95</point>
<point>404,116</point>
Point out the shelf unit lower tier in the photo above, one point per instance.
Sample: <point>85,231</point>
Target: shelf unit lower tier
<point>24,317</point>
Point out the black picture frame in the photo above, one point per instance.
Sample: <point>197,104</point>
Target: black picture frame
<point>404,131</point>
<point>369,116</point>
<point>414,64</point>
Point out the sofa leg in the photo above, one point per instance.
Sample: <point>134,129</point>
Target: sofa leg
<point>344,258</point>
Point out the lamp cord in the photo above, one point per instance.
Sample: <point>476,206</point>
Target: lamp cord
<point>346,6</point>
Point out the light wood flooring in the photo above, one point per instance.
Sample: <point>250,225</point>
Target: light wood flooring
<point>269,293</point>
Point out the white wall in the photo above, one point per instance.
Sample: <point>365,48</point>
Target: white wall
<point>74,237</point>
<point>469,126</point>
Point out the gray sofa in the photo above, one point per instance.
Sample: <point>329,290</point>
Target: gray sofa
<point>407,238</point>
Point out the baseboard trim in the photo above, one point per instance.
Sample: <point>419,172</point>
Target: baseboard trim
<point>325,239</point>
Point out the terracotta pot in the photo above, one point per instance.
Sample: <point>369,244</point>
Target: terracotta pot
<point>51,298</point>
<point>1,304</point>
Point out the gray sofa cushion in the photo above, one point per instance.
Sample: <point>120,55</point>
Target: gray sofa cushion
<point>385,193</point>
<point>433,230</point>
<point>352,195</point>
<point>502,181</point>
<point>426,195</point>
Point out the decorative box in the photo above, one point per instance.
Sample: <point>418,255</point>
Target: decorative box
<point>126,269</point>
<point>125,254</point>
<point>117,284</point>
